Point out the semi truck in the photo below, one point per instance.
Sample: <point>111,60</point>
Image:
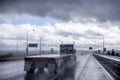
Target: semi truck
<point>54,63</point>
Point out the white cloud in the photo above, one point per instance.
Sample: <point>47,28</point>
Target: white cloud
<point>68,32</point>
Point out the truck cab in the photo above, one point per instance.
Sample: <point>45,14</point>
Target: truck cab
<point>67,49</point>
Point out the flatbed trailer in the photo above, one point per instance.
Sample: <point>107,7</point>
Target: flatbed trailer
<point>55,63</point>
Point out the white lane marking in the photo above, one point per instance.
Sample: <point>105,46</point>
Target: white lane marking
<point>84,67</point>
<point>108,75</point>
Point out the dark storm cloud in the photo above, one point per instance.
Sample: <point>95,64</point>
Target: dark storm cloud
<point>103,10</point>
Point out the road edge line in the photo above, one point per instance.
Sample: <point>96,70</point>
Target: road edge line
<point>108,74</point>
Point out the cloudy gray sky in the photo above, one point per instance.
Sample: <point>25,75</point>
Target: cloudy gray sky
<point>102,10</point>
<point>66,20</point>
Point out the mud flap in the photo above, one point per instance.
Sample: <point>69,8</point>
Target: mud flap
<point>32,68</point>
<point>52,69</point>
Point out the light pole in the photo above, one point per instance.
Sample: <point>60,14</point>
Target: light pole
<point>27,42</point>
<point>94,48</point>
<point>103,41</point>
<point>16,46</point>
<point>40,45</point>
<point>73,42</point>
<point>103,44</point>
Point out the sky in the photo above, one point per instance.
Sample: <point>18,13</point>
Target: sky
<point>55,21</point>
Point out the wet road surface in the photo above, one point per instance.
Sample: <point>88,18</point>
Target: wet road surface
<point>111,65</point>
<point>11,69</point>
<point>93,71</point>
<point>86,68</point>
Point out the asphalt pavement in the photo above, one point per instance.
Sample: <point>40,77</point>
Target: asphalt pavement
<point>86,68</point>
<point>111,64</point>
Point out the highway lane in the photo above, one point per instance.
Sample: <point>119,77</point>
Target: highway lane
<point>11,69</point>
<point>14,70</point>
<point>93,71</point>
<point>112,66</point>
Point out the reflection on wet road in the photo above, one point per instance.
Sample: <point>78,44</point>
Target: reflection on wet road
<point>37,76</point>
<point>93,71</point>
<point>12,69</point>
<point>86,68</point>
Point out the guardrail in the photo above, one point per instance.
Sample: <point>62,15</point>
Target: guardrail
<point>111,64</point>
